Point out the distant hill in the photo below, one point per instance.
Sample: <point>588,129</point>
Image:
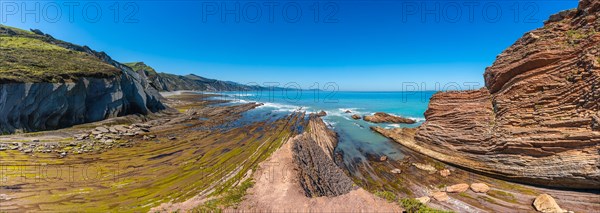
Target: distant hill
<point>171,82</point>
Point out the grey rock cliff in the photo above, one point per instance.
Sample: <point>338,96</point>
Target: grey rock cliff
<point>46,106</point>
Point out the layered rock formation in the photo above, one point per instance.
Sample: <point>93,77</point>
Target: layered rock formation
<point>171,82</point>
<point>313,155</point>
<point>72,97</point>
<point>382,117</point>
<point>537,120</point>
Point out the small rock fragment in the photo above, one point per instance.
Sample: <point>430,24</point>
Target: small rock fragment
<point>425,167</point>
<point>424,199</point>
<point>102,129</point>
<point>383,158</point>
<point>545,203</point>
<point>440,196</point>
<point>396,171</point>
<point>457,188</point>
<point>480,187</point>
<point>172,138</point>
<point>445,172</point>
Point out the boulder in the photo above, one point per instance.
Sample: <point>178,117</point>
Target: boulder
<point>383,158</point>
<point>480,187</point>
<point>396,171</point>
<point>445,172</point>
<point>348,111</point>
<point>457,188</point>
<point>440,196</point>
<point>545,203</point>
<point>424,199</point>
<point>425,167</point>
<point>355,116</point>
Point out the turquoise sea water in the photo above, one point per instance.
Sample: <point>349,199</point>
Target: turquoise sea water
<point>356,140</point>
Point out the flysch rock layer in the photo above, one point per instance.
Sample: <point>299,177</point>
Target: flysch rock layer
<point>537,120</point>
<point>313,155</point>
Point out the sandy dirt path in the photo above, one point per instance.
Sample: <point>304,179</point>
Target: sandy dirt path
<point>277,190</point>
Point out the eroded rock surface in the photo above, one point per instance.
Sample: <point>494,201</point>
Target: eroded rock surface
<point>537,119</point>
<point>45,106</point>
<point>313,154</point>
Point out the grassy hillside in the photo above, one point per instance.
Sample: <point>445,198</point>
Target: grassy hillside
<point>141,66</point>
<point>29,57</point>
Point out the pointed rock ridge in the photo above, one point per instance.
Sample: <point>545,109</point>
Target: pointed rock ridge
<point>313,155</point>
<point>537,119</point>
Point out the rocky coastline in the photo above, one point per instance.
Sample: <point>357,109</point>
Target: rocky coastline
<point>536,121</point>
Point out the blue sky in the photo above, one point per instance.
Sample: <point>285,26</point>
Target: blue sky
<point>358,44</point>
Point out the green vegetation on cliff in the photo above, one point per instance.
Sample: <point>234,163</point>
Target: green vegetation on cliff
<point>141,66</point>
<point>33,57</point>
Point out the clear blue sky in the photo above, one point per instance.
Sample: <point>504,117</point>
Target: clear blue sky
<point>360,44</point>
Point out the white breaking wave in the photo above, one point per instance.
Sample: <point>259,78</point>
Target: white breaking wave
<point>391,126</point>
<point>283,107</point>
<point>417,119</point>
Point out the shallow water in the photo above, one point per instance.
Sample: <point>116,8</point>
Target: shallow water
<point>356,140</point>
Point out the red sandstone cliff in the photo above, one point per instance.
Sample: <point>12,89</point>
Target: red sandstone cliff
<point>537,120</point>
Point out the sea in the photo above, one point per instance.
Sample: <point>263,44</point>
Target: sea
<point>356,140</point>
